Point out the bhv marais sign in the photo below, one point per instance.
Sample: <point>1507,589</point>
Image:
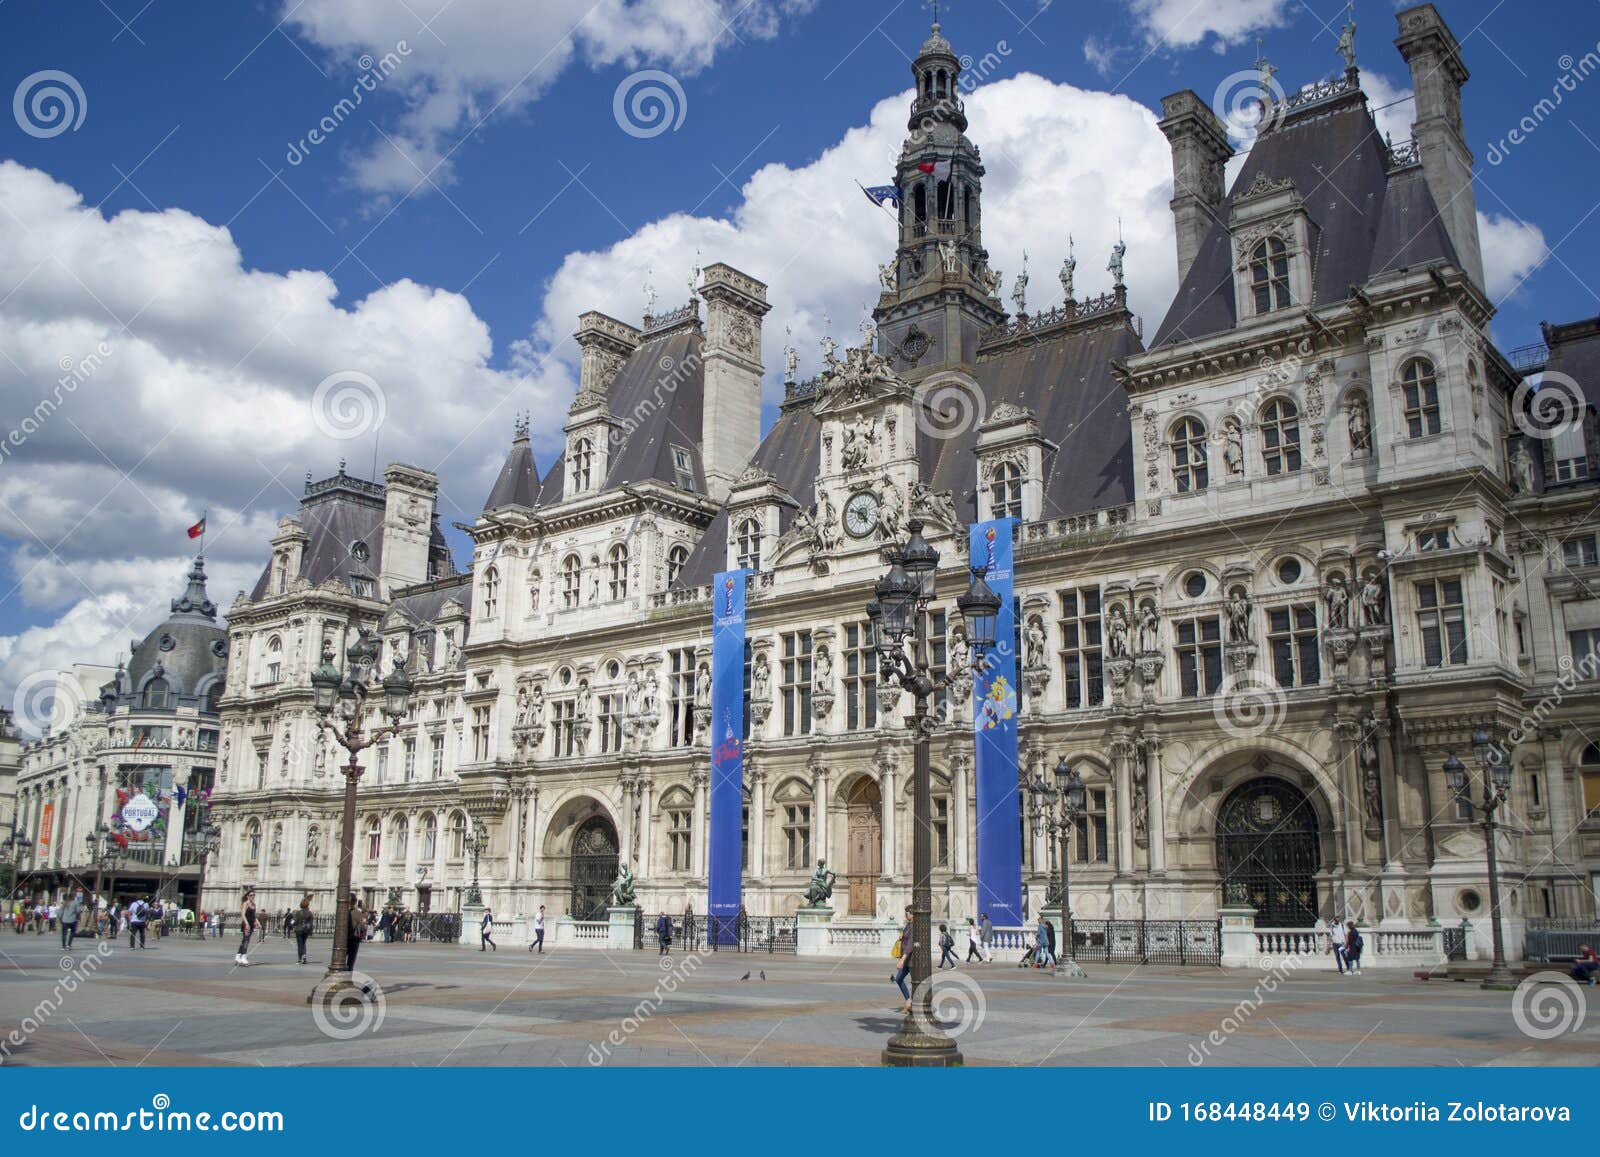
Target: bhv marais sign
<point>140,812</point>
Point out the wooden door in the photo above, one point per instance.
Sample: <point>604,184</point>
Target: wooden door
<point>865,847</point>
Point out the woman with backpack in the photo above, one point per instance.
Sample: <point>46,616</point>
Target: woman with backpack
<point>302,922</point>
<point>946,943</point>
<point>1352,949</point>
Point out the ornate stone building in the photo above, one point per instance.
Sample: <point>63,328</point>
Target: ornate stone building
<point>1272,569</point>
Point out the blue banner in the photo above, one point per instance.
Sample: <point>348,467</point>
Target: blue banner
<point>726,823</point>
<point>994,726</point>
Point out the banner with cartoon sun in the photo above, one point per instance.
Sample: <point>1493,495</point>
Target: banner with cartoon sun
<point>994,726</point>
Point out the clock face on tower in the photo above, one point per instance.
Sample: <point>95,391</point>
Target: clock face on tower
<point>861,514</point>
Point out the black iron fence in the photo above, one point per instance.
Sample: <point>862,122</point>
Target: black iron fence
<point>1148,941</point>
<point>1549,938</point>
<point>1455,943</point>
<point>741,933</point>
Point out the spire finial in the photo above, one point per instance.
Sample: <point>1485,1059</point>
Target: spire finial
<point>1069,267</point>
<point>1019,293</point>
<point>935,5</point>
<point>649,294</point>
<point>519,427</point>
<point>1265,71</point>
<point>694,275</point>
<point>791,356</point>
<point>1347,38</point>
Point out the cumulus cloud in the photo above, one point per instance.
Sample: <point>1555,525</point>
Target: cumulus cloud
<point>1512,250</point>
<point>470,60</point>
<point>1187,23</point>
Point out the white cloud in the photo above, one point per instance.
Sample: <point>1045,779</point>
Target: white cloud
<point>1512,249</point>
<point>469,59</point>
<point>1187,23</point>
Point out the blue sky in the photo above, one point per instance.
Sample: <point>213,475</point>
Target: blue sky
<point>445,235</point>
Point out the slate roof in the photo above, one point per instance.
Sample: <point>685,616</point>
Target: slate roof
<point>518,483</point>
<point>657,397</point>
<point>1366,221</point>
<point>1575,351</point>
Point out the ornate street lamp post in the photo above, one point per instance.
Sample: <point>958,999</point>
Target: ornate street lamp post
<point>101,856</point>
<point>1496,784</point>
<point>342,704</point>
<point>1055,809</point>
<point>477,844</point>
<point>900,615</point>
<point>210,841</point>
<point>12,849</point>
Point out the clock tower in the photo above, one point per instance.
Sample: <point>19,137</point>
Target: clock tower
<point>939,293</point>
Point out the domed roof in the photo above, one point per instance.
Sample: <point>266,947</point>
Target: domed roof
<point>936,45</point>
<point>187,650</point>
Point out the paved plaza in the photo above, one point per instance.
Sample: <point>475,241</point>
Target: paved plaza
<point>183,1002</point>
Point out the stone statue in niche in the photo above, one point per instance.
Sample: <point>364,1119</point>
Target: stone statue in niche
<point>950,255</point>
<point>886,277</point>
<point>1033,645</point>
<point>822,668</point>
<point>960,657</point>
<point>635,694</point>
<point>889,510</point>
<point>1238,616</point>
<point>1149,630</point>
<point>1117,632</point>
<point>652,694</point>
<point>1336,595</point>
<point>1232,448</point>
<point>760,678</point>
<point>1374,601</point>
<point>583,699</point>
<point>1371,795</point>
<point>1522,469</point>
<point>859,438</point>
<point>1359,420</point>
<point>702,687</point>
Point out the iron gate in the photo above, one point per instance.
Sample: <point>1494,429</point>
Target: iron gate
<point>1268,853</point>
<point>1148,941</point>
<point>594,868</point>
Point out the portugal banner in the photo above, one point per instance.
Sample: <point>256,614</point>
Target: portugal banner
<point>724,886</point>
<point>994,726</point>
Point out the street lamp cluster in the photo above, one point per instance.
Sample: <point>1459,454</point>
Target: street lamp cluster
<point>1055,809</point>
<point>898,616</point>
<point>341,704</point>
<point>1496,782</point>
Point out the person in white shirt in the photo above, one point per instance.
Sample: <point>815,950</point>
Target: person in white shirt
<point>538,933</point>
<point>1335,936</point>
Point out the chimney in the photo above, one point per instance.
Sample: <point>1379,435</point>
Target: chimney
<point>606,344</point>
<point>731,411</point>
<point>1437,74</point>
<point>408,503</point>
<point>1200,150</point>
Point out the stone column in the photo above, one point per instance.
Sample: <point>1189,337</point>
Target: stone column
<point>625,829</point>
<point>960,790</point>
<point>758,823</point>
<point>646,827</point>
<point>514,849</point>
<point>1158,821</point>
<point>1122,776</point>
<point>819,816</point>
<point>886,786</point>
<point>699,824</point>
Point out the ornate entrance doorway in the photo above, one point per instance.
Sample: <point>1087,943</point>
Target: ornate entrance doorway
<point>866,846</point>
<point>594,868</point>
<point>1268,852</point>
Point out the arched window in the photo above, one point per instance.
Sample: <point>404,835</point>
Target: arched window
<point>252,842</point>
<point>617,570</point>
<point>491,593</point>
<point>677,557</point>
<point>374,838</point>
<point>274,671</point>
<point>1280,436</point>
<point>212,703</point>
<point>749,544</point>
<point>158,693</point>
<point>1420,385</point>
<point>1269,275</point>
<point>399,830</point>
<point>582,463</point>
<point>280,572</point>
<point>458,835</point>
<point>1005,491</point>
<point>430,838</point>
<point>1189,469</point>
<point>571,581</point>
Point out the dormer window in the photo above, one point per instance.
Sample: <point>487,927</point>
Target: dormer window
<point>1280,437</point>
<point>571,581</point>
<point>158,694</point>
<point>274,659</point>
<point>1005,491</point>
<point>581,463</point>
<point>491,593</point>
<point>1571,453</point>
<point>1269,275</point>
<point>749,557</point>
<point>617,570</point>
<point>1190,471</point>
<point>361,586</point>
<point>683,469</point>
<point>1420,385</point>
<point>677,559</point>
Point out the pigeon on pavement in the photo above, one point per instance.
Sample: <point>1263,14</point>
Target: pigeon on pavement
<point>746,976</point>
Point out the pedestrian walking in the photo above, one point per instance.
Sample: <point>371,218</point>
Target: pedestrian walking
<point>974,941</point>
<point>1352,948</point>
<point>986,938</point>
<point>486,930</point>
<point>357,932</point>
<point>1336,944</point>
<point>946,943</point>
<point>538,932</point>
<point>288,922</point>
<point>138,916</point>
<point>70,913</point>
<point>1043,957</point>
<point>663,933</point>
<point>903,948</point>
<point>1587,965</point>
<point>303,921</point>
<point>247,921</point>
